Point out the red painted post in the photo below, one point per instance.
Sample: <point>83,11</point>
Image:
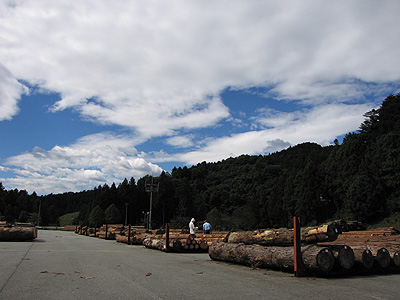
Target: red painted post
<point>166,236</point>
<point>297,247</point>
<point>129,234</point>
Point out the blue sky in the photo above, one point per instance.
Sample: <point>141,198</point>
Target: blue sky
<point>92,92</point>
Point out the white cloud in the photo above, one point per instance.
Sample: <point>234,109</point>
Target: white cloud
<point>92,160</point>
<point>158,67</point>
<point>321,125</point>
<point>181,141</point>
<point>10,92</point>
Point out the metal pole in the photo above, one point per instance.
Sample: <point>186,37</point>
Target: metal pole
<point>151,204</point>
<point>151,187</point>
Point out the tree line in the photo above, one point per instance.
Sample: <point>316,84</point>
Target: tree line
<point>357,179</point>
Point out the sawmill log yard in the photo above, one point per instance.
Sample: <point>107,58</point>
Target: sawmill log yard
<point>339,260</point>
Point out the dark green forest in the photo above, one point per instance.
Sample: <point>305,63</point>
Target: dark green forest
<point>355,180</point>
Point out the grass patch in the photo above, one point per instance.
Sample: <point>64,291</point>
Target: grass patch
<point>69,219</point>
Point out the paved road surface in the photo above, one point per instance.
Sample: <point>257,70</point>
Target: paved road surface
<point>64,265</point>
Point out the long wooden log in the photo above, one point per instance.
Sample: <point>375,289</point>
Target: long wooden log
<point>18,233</point>
<point>69,228</point>
<point>283,236</point>
<point>154,244</point>
<point>314,258</point>
<point>159,244</point>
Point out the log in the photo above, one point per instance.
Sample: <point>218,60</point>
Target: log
<point>382,257</point>
<point>18,233</point>
<point>69,228</point>
<point>203,244</point>
<point>4,224</point>
<point>283,236</point>
<point>317,258</point>
<point>175,245</point>
<point>154,244</point>
<point>314,258</point>
<point>344,255</point>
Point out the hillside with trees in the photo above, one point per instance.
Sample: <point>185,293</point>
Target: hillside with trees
<point>355,180</point>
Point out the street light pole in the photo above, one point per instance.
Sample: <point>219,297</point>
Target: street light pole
<point>150,188</point>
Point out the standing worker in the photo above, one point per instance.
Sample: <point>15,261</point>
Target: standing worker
<point>206,227</point>
<point>192,227</point>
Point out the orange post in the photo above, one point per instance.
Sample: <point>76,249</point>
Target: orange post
<point>297,248</point>
<point>129,234</point>
<point>166,236</point>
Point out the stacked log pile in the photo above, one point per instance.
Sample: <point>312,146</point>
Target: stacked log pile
<point>378,246</point>
<point>284,236</point>
<point>83,230</point>
<point>136,236</point>
<point>17,231</point>
<point>110,231</point>
<point>315,258</point>
<point>69,228</point>
<point>180,241</point>
<point>323,250</point>
<point>273,248</point>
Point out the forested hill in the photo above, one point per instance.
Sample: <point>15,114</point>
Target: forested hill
<point>358,179</point>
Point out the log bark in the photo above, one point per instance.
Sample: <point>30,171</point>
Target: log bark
<point>283,236</point>
<point>257,256</point>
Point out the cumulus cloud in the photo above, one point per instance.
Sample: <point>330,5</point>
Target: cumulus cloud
<point>160,69</point>
<point>10,92</point>
<point>321,124</point>
<point>91,161</point>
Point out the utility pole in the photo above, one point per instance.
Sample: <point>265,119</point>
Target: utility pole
<point>150,188</point>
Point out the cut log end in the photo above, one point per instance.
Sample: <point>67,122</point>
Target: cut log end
<point>325,260</point>
<point>396,259</point>
<point>383,258</point>
<point>345,257</point>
